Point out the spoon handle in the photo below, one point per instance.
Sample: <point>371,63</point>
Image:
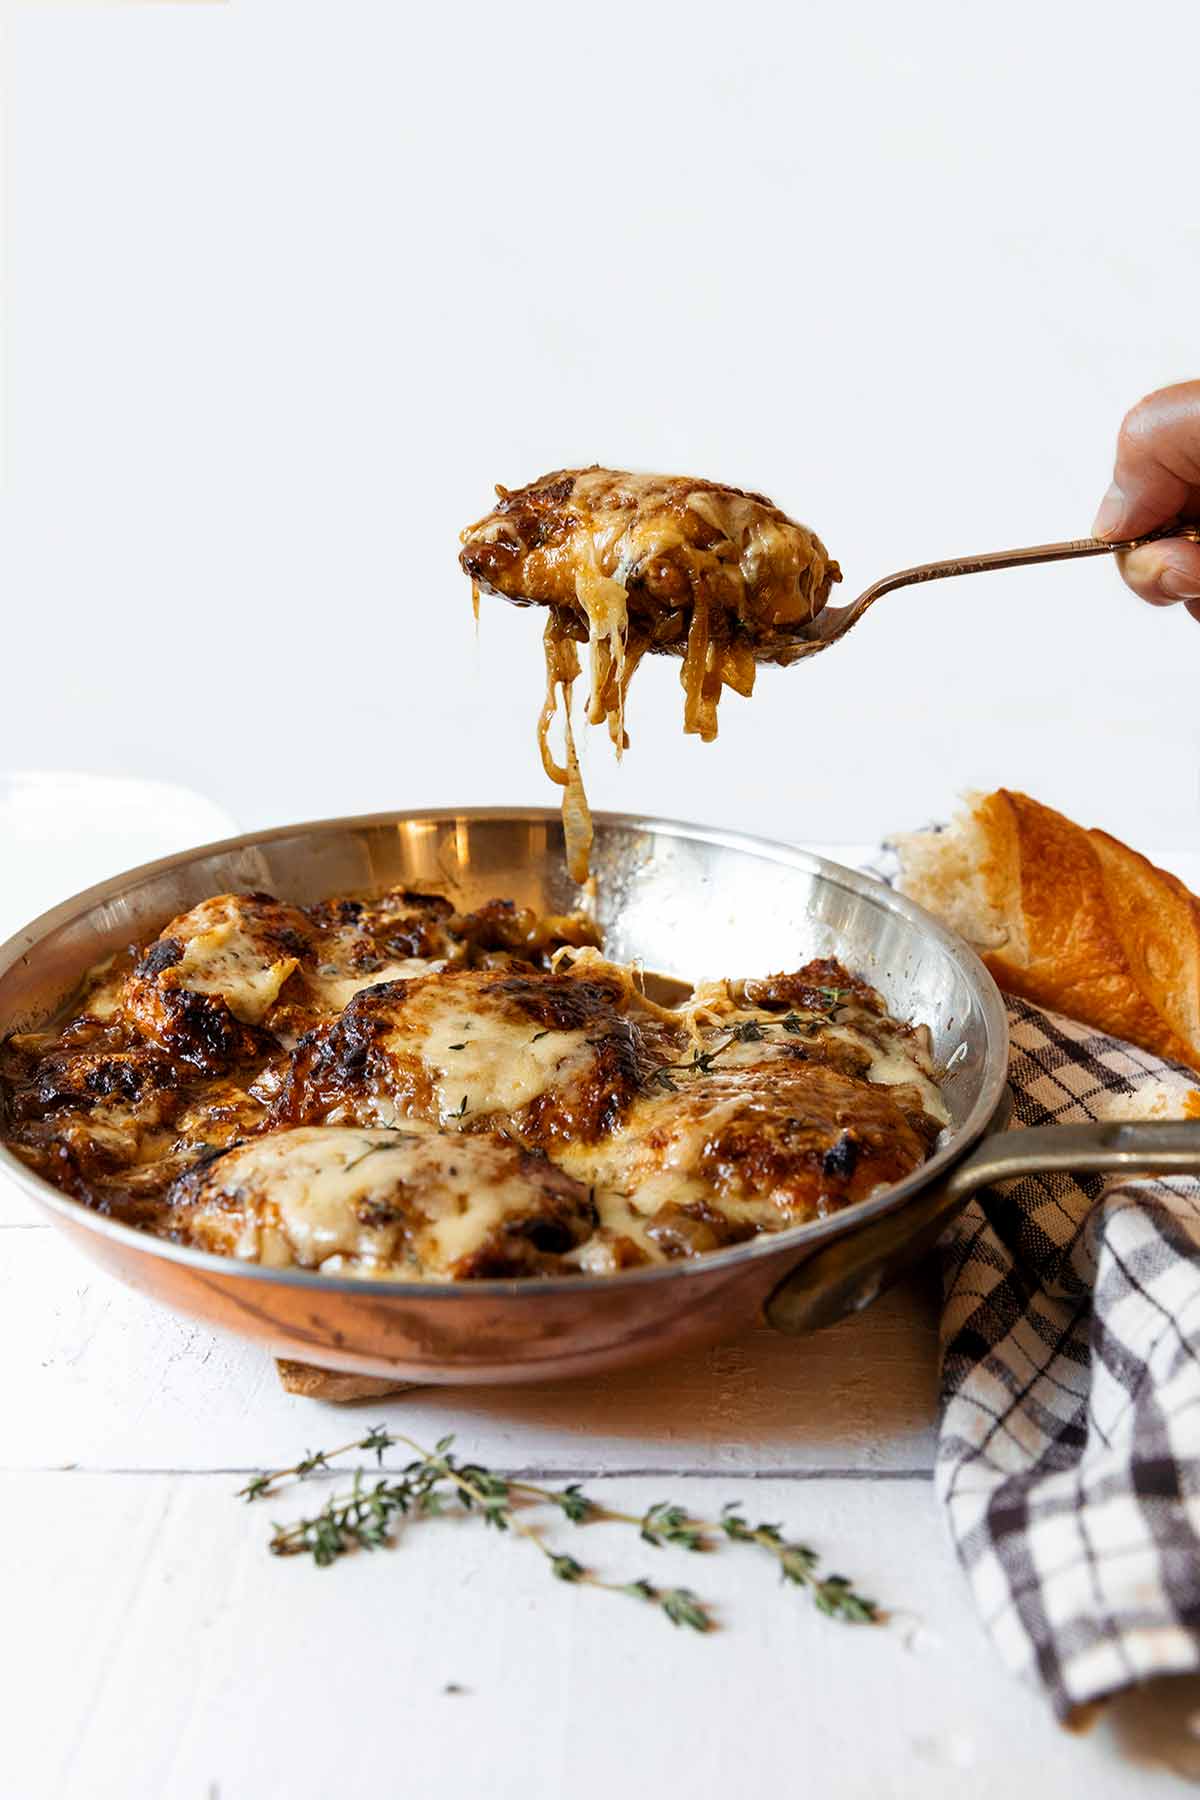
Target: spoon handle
<point>1013,559</point>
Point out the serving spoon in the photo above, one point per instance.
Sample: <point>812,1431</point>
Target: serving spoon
<point>833,622</point>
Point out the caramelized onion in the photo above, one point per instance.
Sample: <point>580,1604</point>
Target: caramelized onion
<point>562,669</point>
<point>631,564</point>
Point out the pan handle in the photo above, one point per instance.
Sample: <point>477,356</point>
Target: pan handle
<point>847,1274</point>
<point>1157,1147</point>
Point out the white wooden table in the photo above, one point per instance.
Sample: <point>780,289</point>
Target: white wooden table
<point>153,1647</point>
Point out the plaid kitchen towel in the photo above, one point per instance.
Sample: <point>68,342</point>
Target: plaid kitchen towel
<point>1069,1447</point>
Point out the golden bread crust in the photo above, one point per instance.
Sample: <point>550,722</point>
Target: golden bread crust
<point>1089,927</point>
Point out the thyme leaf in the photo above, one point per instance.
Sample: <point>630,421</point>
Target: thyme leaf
<point>749,1031</point>
<point>682,1608</point>
<point>667,1524</point>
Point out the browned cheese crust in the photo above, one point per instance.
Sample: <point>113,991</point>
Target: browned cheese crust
<point>631,564</point>
<point>676,544</point>
<point>391,1086</point>
<point>406,1201</point>
<point>384,1058</point>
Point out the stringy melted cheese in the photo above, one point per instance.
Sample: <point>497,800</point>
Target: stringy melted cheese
<point>769,570</point>
<point>562,670</point>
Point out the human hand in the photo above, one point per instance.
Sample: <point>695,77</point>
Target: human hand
<point>1156,481</point>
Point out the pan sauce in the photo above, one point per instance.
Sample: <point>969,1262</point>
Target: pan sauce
<point>389,1087</point>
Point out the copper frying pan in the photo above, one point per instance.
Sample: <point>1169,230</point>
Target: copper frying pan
<point>686,901</point>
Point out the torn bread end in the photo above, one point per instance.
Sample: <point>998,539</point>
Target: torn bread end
<point>336,1384</point>
<point>946,871</point>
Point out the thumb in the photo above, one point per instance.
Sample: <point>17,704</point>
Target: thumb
<point>1165,572</point>
<point>1157,473</point>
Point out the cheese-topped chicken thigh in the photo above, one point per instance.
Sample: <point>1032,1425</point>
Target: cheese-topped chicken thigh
<point>413,1205</point>
<point>740,1151</point>
<point>241,965</point>
<point>182,1046</point>
<point>115,1121</point>
<point>794,1096</point>
<point>213,976</point>
<point>817,1014</point>
<point>547,1057</point>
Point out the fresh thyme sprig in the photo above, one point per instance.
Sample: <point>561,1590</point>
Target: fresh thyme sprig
<point>374,1150</point>
<point>832,1594</point>
<point>377,1439</point>
<point>365,1517</point>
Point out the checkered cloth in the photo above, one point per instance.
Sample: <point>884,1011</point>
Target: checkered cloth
<point>1069,1450</point>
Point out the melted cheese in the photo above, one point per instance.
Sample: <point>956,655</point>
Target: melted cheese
<point>104,989</point>
<point>562,670</point>
<point>334,990</point>
<point>419,1198</point>
<point>226,957</point>
<point>770,570</point>
<point>482,1058</point>
<point>895,1057</point>
<point>117,1127</point>
<point>630,1181</point>
<point>619,1217</point>
<point>229,958</point>
<point>373,1203</point>
<point>895,1063</point>
<point>605,602</point>
<point>626,520</point>
<point>224,961</point>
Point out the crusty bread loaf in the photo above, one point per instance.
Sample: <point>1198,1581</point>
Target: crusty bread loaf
<point>1068,918</point>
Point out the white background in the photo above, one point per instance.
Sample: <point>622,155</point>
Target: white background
<point>290,285</point>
